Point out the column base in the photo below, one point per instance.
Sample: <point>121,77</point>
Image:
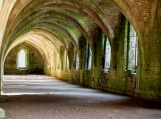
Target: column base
<point>2,114</point>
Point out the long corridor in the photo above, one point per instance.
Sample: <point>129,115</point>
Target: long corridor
<point>45,97</point>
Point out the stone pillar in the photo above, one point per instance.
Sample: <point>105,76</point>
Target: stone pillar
<point>149,77</point>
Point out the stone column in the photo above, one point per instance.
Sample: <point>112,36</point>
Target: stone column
<point>149,77</point>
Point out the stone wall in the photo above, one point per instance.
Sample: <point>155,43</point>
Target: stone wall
<point>121,78</point>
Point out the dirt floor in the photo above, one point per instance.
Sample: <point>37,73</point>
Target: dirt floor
<point>44,97</point>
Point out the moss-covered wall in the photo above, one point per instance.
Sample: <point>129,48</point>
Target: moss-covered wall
<point>35,63</point>
<point>121,78</point>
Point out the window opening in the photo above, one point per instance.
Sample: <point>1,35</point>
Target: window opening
<point>22,59</point>
<point>77,62</point>
<point>88,57</point>
<point>67,62</point>
<point>130,48</point>
<point>106,57</point>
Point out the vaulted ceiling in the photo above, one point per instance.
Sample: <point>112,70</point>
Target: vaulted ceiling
<point>60,23</point>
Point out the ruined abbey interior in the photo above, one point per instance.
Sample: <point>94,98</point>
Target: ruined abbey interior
<point>112,45</point>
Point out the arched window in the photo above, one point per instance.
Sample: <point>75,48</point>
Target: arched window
<point>88,57</point>
<point>77,62</point>
<point>106,56</point>
<point>133,48</point>
<point>67,62</point>
<point>22,59</point>
<point>130,48</point>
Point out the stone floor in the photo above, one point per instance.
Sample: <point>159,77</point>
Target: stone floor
<point>44,97</point>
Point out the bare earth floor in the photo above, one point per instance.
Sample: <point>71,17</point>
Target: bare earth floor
<point>44,97</point>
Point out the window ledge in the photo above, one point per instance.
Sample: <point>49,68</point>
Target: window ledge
<point>22,69</point>
<point>105,70</point>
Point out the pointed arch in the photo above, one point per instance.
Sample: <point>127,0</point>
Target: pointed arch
<point>22,59</point>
